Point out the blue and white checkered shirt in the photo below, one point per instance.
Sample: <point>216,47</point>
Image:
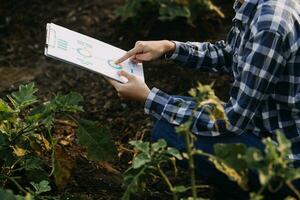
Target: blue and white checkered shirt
<point>263,56</point>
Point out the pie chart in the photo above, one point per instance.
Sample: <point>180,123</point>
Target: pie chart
<point>84,52</point>
<point>113,65</point>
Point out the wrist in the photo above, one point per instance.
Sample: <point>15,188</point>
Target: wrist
<point>169,47</point>
<point>145,95</point>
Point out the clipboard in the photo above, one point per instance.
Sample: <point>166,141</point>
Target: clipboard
<point>88,53</point>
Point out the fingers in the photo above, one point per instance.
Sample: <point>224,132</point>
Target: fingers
<point>143,56</point>
<point>129,54</point>
<point>135,60</point>
<point>126,75</point>
<point>114,83</point>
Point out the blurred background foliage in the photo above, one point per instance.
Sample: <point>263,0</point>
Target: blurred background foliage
<point>168,10</point>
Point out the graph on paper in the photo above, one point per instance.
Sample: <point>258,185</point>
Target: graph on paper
<point>81,50</point>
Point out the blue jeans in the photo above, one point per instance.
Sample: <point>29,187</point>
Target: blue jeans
<point>204,168</point>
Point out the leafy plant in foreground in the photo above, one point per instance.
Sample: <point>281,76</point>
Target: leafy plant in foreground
<point>236,160</point>
<point>273,165</point>
<point>148,161</point>
<point>28,152</point>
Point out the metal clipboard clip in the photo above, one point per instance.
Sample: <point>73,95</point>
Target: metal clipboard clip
<point>50,36</point>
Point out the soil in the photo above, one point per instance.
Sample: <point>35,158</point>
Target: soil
<point>22,39</point>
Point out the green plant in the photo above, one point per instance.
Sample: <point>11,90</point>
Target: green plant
<point>8,195</point>
<point>234,160</point>
<point>151,156</point>
<point>28,151</point>
<point>147,162</point>
<point>166,9</point>
<point>273,165</point>
<point>203,95</point>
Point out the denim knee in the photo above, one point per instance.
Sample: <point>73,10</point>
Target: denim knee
<point>164,130</point>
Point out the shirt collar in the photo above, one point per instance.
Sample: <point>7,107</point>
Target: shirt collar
<point>244,10</point>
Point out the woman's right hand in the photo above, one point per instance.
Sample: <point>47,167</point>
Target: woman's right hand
<point>148,50</point>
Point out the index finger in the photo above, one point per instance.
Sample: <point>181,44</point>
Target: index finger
<point>127,55</point>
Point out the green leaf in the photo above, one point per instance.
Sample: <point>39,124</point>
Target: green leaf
<point>264,177</point>
<point>7,195</point>
<point>6,112</point>
<point>160,144</point>
<point>33,164</point>
<point>229,159</point>
<point>40,112</point>
<point>271,151</point>
<point>198,198</point>
<point>284,145</point>
<point>43,114</point>
<point>141,146</point>
<point>255,196</point>
<point>133,181</point>
<point>61,103</point>
<point>97,141</point>
<point>68,103</point>
<point>128,10</point>
<point>254,158</point>
<point>172,11</point>
<point>291,174</point>
<point>41,187</point>
<point>174,152</point>
<point>180,189</point>
<point>24,96</point>
<point>289,198</point>
<point>230,154</point>
<point>2,140</point>
<point>140,160</point>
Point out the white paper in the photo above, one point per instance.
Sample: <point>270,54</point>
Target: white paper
<point>81,50</point>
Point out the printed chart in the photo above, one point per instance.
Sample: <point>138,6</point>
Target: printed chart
<point>84,51</point>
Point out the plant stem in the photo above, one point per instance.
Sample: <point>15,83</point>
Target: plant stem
<point>72,118</point>
<point>53,143</point>
<point>13,166</point>
<point>166,179</point>
<point>199,187</point>
<point>293,188</point>
<point>204,154</point>
<point>262,189</point>
<point>189,144</point>
<point>23,131</point>
<point>17,184</point>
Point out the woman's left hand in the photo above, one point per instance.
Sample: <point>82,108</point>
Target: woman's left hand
<point>134,89</point>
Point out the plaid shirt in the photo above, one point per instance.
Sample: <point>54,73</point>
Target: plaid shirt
<point>262,54</point>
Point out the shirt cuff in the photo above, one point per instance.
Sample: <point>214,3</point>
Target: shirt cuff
<point>174,55</point>
<point>156,103</point>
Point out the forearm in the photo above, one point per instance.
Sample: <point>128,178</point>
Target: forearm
<point>168,46</point>
<point>212,57</point>
<point>178,110</point>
